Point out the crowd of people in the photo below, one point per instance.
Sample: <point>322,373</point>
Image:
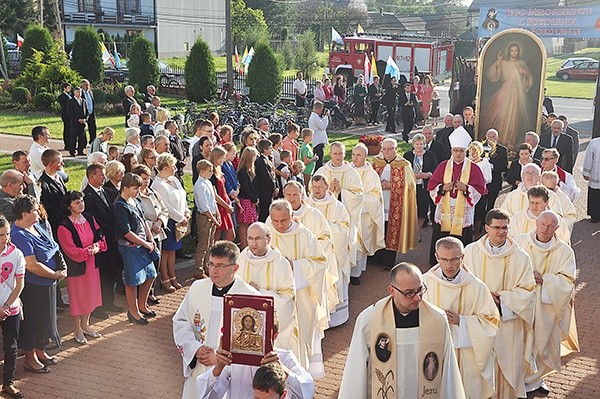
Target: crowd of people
<point>305,229</point>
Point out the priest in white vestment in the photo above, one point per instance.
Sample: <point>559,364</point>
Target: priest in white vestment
<point>265,269</point>
<point>551,181</point>
<point>314,221</point>
<point>198,321</point>
<point>524,221</point>
<point>516,200</point>
<point>346,186</point>
<point>554,271</point>
<point>471,313</point>
<point>302,249</point>
<point>402,346</point>
<point>506,269</point>
<point>339,223</point>
<point>235,381</point>
<point>371,234</point>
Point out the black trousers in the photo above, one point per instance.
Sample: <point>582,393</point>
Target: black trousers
<point>408,120</point>
<point>66,132</point>
<point>300,101</point>
<point>374,112</point>
<point>10,335</point>
<point>92,126</point>
<point>319,150</point>
<point>263,209</point>
<point>110,264</point>
<point>77,136</point>
<point>35,328</point>
<point>466,238</point>
<point>391,120</point>
<point>593,200</point>
<point>386,257</point>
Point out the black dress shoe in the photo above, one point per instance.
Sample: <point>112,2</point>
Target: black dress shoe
<point>354,281</point>
<point>100,314</point>
<point>72,153</point>
<point>148,314</point>
<point>153,300</point>
<point>142,321</point>
<point>114,308</point>
<point>181,255</point>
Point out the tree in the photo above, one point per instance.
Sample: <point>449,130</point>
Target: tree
<point>36,37</point>
<point>200,75</point>
<point>143,65</point>
<point>248,25</point>
<point>15,16</point>
<point>306,53</point>
<point>87,55</point>
<point>264,75</point>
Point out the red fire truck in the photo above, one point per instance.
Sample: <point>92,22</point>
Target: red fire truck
<point>430,55</point>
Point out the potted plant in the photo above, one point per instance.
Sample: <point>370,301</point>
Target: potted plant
<point>372,141</point>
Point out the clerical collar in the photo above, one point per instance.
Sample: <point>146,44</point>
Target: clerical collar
<point>543,245</point>
<point>299,211</point>
<point>409,320</point>
<point>495,249</point>
<point>220,292</point>
<point>292,227</point>
<point>324,199</point>
<point>251,255</point>
<point>336,167</point>
<point>451,279</point>
<point>389,162</point>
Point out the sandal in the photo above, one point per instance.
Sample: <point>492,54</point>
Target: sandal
<point>43,370</point>
<point>175,283</point>
<point>11,391</point>
<point>47,361</point>
<point>167,287</point>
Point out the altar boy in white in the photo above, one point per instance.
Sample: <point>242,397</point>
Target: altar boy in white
<point>402,346</point>
<point>198,320</point>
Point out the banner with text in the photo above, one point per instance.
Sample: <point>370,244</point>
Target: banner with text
<point>582,22</point>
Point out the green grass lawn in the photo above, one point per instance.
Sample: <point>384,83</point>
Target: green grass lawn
<point>556,87</point>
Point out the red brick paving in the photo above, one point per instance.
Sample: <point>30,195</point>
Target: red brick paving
<point>132,361</point>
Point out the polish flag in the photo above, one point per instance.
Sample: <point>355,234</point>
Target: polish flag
<point>19,41</point>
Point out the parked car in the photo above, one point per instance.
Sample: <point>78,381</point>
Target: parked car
<point>580,70</point>
<point>570,62</point>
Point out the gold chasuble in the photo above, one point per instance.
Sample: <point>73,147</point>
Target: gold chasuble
<point>507,271</point>
<point>554,322</point>
<point>475,335</point>
<point>401,363</point>
<point>371,234</point>
<point>402,221</point>
<point>273,275</point>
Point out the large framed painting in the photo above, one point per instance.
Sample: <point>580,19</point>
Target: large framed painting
<point>248,327</point>
<point>510,89</point>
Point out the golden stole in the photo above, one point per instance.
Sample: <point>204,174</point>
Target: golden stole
<point>454,222</point>
<point>383,356</point>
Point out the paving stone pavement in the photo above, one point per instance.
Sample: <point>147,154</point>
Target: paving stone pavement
<point>132,361</point>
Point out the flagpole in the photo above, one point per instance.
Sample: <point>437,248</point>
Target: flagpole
<point>228,44</point>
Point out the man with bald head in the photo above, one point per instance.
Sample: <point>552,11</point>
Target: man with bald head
<point>432,145</point>
<point>554,270</point>
<point>264,268</point>
<point>402,344</point>
<point>516,200</point>
<point>551,181</point>
<point>339,224</point>
<point>443,134</point>
<point>297,244</point>
<point>11,182</point>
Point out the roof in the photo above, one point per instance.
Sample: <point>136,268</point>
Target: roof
<point>384,21</point>
<point>358,5</point>
<point>414,23</point>
<point>477,4</point>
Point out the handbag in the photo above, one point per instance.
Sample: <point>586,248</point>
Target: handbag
<point>181,230</point>
<point>60,261</point>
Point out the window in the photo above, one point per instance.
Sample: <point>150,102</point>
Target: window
<point>87,5</point>
<point>130,6</point>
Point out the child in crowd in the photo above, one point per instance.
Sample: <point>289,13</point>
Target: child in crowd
<point>307,154</point>
<point>276,139</point>
<point>232,185</point>
<point>285,169</point>
<point>146,128</point>
<point>435,107</point>
<point>11,285</point>
<point>208,219</point>
<point>134,115</point>
<point>246,212</point>
<point>297,173</point>
<point>290,142</point>
<point>113,153</point>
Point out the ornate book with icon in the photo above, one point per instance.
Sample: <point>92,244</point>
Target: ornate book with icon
<point>248,327</point>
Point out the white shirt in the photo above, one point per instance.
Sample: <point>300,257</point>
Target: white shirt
<point>35,158</point>
<point>173,195</point>
<point>204,196</point>
<point>13,266</point>
<point>300,85</point>
<point>319,125</point>
<point>591,163</point>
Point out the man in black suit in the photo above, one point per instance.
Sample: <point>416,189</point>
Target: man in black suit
<point>78,117</point>
<point>442,135</point>
<point>63,100</point>
<point>562,142</point>
<point>433,145</point>
<point>52,187</point>
<point>498,157</point>
<point>573,133</point>
<point>176,148</point>
<point>98,205</point>
<point>389,100</point>
<point>88,97</point>
<point>407,101</point>
<point>469,121</point>
<point>533,140</point>
<point>128,101</point>
<point>150,93</point>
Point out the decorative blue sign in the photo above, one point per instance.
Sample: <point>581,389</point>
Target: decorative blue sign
<point>579,22</point>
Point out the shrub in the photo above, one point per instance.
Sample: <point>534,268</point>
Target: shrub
<point>264,75</point>
<point>371,139</point>
<point>21,95</point>
<point>86,57</point>
<point>99,96</point>
<point>36,37</point>
<point>143,66</point>
<point>43,101</point>
<point>200,75</point>
<point>112,98</point>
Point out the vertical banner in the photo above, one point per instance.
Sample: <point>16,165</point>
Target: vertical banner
<point>510,87</point>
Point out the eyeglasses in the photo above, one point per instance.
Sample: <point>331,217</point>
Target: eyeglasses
<point>451,261</point>
<point>503,228</point>
<point>218,266</point>
<point>411,294</point>
<point>547,159</point>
